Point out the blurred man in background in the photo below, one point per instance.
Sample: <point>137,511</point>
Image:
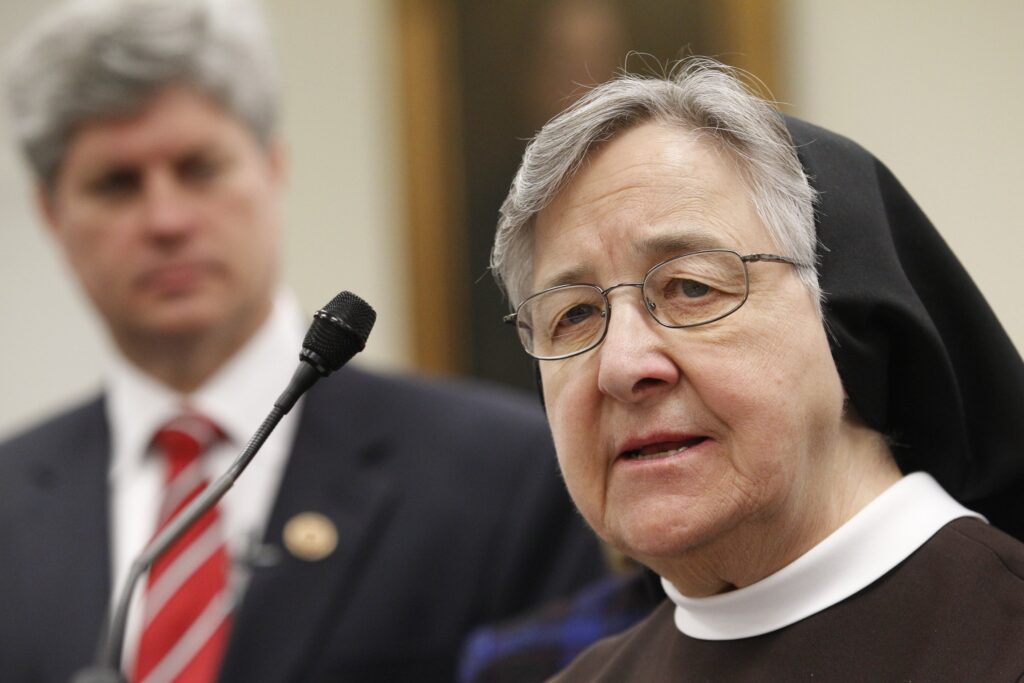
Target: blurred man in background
<point>382,521</point>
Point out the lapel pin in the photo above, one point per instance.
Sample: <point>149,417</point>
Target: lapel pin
<point>310,536</point>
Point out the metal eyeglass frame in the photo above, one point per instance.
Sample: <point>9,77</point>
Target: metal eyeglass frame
<point>511,318</point>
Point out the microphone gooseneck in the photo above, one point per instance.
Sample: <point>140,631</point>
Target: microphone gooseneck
<point>338,332</point>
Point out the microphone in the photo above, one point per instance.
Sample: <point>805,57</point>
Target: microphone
<point>339,331</point>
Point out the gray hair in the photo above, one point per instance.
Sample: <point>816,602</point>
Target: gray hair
<point>700,95</point>
<point>96,59</point>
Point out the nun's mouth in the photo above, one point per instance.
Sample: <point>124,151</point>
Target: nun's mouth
<point>662,449</point>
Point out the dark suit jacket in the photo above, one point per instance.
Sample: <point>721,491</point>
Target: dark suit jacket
<point>449,512</point>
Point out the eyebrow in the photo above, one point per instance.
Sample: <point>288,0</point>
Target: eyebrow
<point>665,246</point>
<point>656,248</point>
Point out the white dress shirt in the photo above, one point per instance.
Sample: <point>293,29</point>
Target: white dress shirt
<point>879,537</point>
<point>237,398</point>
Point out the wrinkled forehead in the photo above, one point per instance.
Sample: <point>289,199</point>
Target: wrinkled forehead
<point>652,192</point>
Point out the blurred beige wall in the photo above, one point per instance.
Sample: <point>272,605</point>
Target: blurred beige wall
<point>343,209</point>
<point>933,88</point>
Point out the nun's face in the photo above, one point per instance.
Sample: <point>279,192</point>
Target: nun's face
<point>677,440</point>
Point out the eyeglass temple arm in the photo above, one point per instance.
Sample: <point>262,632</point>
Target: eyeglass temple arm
<point>509,319</point>
<point>753,258</point>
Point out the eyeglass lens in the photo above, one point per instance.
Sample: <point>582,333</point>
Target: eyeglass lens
<point>683,292</point>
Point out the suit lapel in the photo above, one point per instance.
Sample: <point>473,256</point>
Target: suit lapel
<point>68,543</point>
<point>282,618</point>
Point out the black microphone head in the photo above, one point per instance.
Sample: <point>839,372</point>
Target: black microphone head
<point>339,331</point>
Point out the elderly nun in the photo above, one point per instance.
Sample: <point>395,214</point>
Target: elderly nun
<point>770,382</point>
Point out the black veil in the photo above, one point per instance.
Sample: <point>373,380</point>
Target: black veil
<point>922,356</point>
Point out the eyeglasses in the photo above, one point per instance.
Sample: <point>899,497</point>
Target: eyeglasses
<point>684,291</point>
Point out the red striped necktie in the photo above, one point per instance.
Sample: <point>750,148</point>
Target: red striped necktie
<point>187,604</point>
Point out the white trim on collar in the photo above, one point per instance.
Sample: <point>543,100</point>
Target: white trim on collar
<point>879,537</point>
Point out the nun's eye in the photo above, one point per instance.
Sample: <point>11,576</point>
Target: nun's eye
<point>692,289</point>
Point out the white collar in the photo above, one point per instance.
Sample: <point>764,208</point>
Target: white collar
<point>235,398</point>
<point>879,537</point>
